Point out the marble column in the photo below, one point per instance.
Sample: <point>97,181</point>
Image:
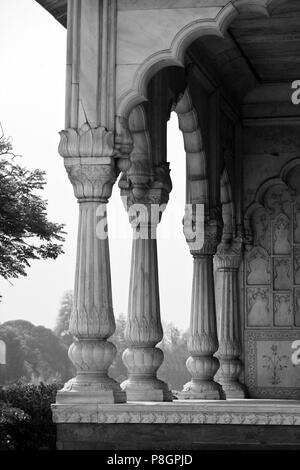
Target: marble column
<point>92,319</point>
<point>144,329</point>
<point>203,340</point>
<point>228,259</point>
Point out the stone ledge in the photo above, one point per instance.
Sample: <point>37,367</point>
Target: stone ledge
<point>239,412</point>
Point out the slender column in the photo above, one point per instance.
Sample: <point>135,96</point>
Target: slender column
<point>145,191</point>
<point>92,319</point>
<point>228,259</point>
<point>91,152</point>
<point>144,329</point>
<point>203,341</point>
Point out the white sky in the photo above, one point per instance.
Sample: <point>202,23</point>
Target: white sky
<point>32,87</point>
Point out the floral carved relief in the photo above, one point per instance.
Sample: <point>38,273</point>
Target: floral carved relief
<point>272,261</point>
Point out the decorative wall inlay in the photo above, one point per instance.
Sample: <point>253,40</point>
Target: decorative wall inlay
<point>275,363</point>
<point>270,372</point>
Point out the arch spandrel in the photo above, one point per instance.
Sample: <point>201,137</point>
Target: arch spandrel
<point>151,39</point>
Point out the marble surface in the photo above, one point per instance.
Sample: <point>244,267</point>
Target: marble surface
<point>255,412</point>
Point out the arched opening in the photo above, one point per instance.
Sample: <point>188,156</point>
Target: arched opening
<point>239,86</point>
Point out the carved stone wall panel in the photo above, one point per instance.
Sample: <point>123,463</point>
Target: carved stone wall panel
<point>297,306</point>
<point>272,259</point>
<point>272,303</point>
<point>283,309</point>
<point>258,267</point>
<point>270,372</point>
<point>282,275</point>
<point>277,200</point>
<point>258,307</point>
<point>297,221</point>
<point>262,232</point>
<point>297,266</point>
<point>281,235</point>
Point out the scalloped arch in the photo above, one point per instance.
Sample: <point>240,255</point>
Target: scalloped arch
<point>174,56</point>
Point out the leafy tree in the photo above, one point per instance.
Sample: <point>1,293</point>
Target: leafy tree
<point>118,370</point>
<point>61,328</point>
<point>26,418</point>
<point>25,231</point>
<point>15,357</point>
<point>43,355</point>
<point>174,345</point>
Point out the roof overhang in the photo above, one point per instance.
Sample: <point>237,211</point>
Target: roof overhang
<point>57,8</point>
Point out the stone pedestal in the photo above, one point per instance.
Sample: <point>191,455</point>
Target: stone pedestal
<point>181,425</point>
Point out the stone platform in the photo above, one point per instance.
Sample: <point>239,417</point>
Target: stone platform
<point>180,425</point>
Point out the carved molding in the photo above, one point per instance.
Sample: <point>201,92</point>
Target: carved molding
<point>240,412</point>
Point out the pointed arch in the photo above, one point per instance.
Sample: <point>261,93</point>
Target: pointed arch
<point>174,54</point>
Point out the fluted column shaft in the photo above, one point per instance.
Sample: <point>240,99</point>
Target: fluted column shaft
<point>145,189</point>
<point>92,319</point>
<point>229,334</point>
<point>144,330</point>
<point>203,340</point>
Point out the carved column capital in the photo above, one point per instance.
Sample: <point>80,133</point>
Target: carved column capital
<point>92,177</point>
<point>211,236</point>
<point>145,183</point>
<point>229,256</point>
<point>87,141</point>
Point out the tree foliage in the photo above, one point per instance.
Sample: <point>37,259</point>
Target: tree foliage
<point>25,231</point>
<point>61,328</point>
<point>34,352</point>
<point>26,418</point>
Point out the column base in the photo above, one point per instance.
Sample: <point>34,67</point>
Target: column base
<point>233,390</point>
<point>86,390</point>
<point>201,390</point>
<point>146,390</point>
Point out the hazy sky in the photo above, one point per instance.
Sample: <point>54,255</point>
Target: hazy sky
<point>32,79</point>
